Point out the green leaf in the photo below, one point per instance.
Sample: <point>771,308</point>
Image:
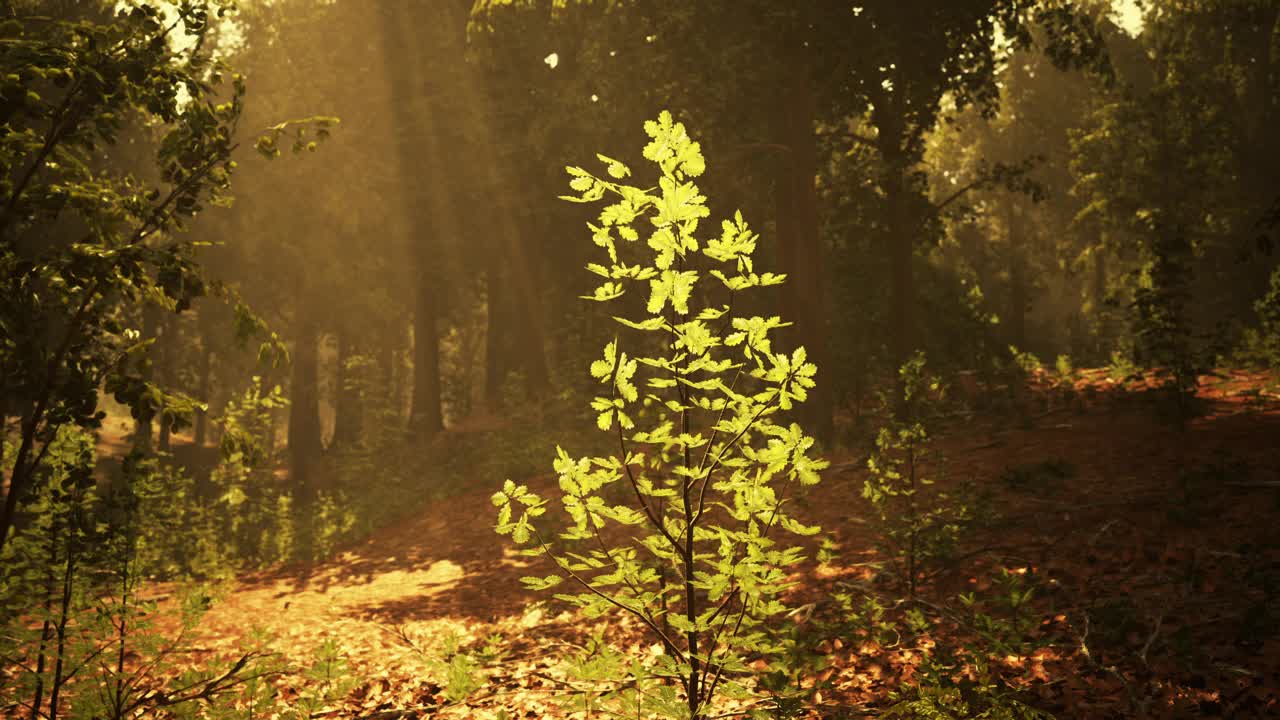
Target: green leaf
<point>674,286</point>
<point>655,323</point>
<point>616,169</point>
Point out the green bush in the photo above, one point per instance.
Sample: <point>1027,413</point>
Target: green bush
<point>1262,344</point>
<point>919,524</point>
<point>80,640</point>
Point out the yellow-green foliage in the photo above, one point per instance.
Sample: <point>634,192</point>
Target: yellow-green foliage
<point>695,395</point>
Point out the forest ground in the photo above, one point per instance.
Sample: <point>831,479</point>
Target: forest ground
<point>1152,551</point>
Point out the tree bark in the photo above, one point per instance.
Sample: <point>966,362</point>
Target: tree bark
<point>427,213</point>
<point>899,242</point>
<point>425,415</point>
<point>496,331</point>
<point>533,350</point>
<point>391,371</point>
<point>799,242</point>
<point>304,426</point>
<point>899,236</point>
<point>347,406</point>
<point>1017,277</point>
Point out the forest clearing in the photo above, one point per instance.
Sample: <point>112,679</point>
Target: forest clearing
<point>647,359</point>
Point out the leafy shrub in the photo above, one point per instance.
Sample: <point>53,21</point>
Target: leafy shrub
<point>710,472</point>
<point>1027,362</point>
<point>918,523</point>
<point>328,679</point>
<point>1066,371</point>
<point>940,693</point>
<point>255,511</point>
<point>1168,340</point>
<point>1261,345</point>
<point>1121,368</point>
<point>80,640</point>
<point>960,676</point>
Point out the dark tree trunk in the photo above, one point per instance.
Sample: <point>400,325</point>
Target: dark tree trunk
<point>496,331</point>
<point>347,406</point>
<point>1254,43</point>
<point>900,247</point>
<point>1017,277</point>
<point>519,295</point>
<point>533,347</point>
<point>800,244</point>
<point>425,416</point>
<point>902,283</point>
<point>304,427</point>
<point>900,233</point>
<point>899,236</point>
<point>424,208</point>
<point>4,420</point>
<point>1099,277</point>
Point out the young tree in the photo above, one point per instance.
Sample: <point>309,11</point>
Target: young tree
<point>710,476</point>
<point>81,237</point>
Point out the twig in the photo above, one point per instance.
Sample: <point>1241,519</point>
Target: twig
<point>1147,646</point>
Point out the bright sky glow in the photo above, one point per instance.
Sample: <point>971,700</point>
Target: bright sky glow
<point>1128,15</point>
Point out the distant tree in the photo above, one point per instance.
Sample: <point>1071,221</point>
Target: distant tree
<point>918,56</point>
<point>1161,166</point>
<point>1015,232</point>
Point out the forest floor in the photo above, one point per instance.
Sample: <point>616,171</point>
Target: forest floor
<point>1151,549</point>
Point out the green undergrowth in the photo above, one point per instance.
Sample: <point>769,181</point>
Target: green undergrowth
<point>412,474</point>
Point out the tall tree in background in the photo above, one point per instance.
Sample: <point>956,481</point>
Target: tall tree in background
<point>918,55</point>
<point>1015,229</point>
<point>417,85</point>
<point>1163,170</point>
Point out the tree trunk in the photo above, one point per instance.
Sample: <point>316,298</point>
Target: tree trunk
<point>347,408</point>
<point>425,416</point>
<point>1101,326</point>
<point>520,293</point>
<point>902,283</point>
<point>800,244</point>
<point>419,113</point>
<point>1017,277</point>
<point>304,428</point>
<point>533,348</point>
<point>899,237</point>
<point>495,361</point>
<point>900,241</point>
